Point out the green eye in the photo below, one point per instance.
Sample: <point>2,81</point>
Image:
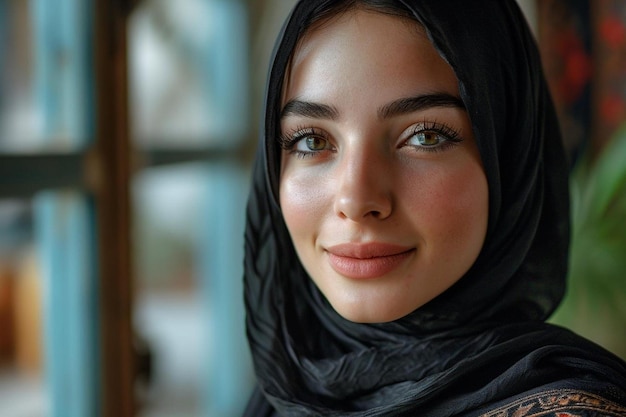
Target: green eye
<point>428,138</point>
<point>315,143</point>
<point>431,137</point>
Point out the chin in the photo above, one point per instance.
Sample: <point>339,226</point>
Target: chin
<point>359,314</point>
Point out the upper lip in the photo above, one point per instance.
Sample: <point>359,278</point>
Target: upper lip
<point>367,250</point>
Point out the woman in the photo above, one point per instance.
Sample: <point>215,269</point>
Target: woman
<point>407,229</point>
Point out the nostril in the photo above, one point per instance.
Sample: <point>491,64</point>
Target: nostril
<point>358,204</point>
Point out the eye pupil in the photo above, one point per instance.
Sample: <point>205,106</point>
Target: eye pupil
<point>315,143</point>
<point>428,138</point>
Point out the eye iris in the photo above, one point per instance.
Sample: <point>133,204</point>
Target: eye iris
<point>428,138</point>
<point>315,143</point>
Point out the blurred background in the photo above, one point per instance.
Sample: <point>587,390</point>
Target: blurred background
<point>127,130</point>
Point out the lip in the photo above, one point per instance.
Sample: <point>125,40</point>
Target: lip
<point>367,260</point>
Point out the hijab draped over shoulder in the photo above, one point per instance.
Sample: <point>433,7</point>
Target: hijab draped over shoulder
<point>482,343</point>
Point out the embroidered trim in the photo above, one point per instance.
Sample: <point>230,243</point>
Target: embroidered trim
<point>559,403</point>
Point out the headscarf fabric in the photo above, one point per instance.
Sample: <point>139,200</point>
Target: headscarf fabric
<point>483,340</point>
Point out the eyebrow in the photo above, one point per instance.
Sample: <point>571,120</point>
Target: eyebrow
<point>422,102</point>
<point>309,109</point>
<point>398,107</point>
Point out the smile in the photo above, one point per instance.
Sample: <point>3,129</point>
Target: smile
<point>367,261</point>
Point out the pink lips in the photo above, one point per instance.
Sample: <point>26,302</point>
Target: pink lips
<point>367,260</point>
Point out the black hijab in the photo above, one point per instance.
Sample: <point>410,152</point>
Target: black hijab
<point>482,341</point>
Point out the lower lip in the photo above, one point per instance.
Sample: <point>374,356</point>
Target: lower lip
<point>367,268</point>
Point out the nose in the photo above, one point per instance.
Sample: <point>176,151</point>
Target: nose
<point>364,189</point>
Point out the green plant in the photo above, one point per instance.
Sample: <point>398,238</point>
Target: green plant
<point>595,303</point>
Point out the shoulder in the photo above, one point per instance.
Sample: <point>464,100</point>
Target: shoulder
<point>560,403</point>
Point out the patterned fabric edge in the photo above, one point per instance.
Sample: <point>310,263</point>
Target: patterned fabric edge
<point>559,403</point>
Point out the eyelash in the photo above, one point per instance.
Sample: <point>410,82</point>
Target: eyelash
<point>289,140</point>
<point>451,137</point>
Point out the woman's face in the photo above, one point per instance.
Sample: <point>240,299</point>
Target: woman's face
<point>382,187</point>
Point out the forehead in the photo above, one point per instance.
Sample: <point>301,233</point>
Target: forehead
<point>359,48</point>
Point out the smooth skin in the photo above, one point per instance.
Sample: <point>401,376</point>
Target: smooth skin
<point>382,187</point>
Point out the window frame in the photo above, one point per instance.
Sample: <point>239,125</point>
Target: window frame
<point>103,171</point>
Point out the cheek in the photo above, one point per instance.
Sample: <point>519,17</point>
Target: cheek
<point>302,200</point>
<point>451,207</point>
